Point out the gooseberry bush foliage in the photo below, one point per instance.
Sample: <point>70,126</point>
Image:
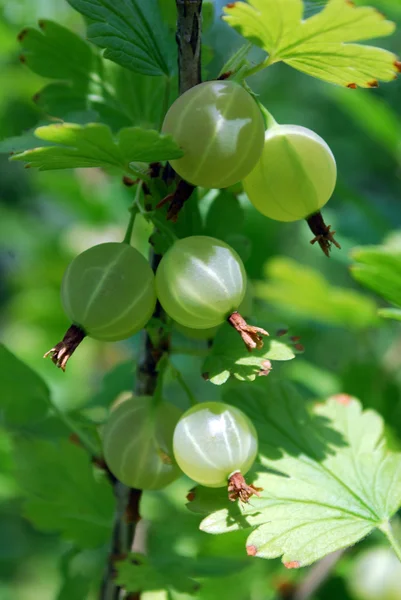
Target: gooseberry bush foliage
<point>294,479</point>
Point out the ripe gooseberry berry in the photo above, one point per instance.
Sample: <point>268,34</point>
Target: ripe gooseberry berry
<point>220,128</point>
<point>109,294</point>
<point>295,176</point>
<point>200,282</point>
<point>137,443</point>
<point>109,291</point>
<point>213,441</point>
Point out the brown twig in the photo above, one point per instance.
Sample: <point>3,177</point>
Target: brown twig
<point>127,511</point>
<point>188,37</point>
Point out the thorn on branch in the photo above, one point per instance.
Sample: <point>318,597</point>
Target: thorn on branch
<point>323,235</point>
<point>251,336</point>
<point>62,352</point>
<point>177,199</point>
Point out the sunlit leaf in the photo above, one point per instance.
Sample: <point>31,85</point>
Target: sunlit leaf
<point>302,291</point>
<point>229,356</point>
<point>379,269</point>
<point>328,478</point>
<point>322,45</point>
<point>93,145</point>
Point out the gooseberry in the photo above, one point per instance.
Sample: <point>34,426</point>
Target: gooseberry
<point>295,175</point>
<point>212,441</point>
<point>200,282</point>
<point>109,291</point>
<point>220,128</point>
<point>137,443</point>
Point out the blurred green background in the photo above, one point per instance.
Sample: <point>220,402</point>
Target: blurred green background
<point>47,218</point>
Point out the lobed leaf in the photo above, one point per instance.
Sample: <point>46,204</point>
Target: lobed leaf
<point>229,356</point>
<point>93,145</point>
<point>300,290</point>
<point>62,493</point>
<point>132,33</point>
<point>327,474</point>
<point>320,45</point>
<point>24,398</point>
<point>82,83</point>
<point>379,269</point>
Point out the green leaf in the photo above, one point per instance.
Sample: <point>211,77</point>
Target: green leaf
<point>63,494</point>
<point>93,145</point>
<point>327,475</point>
<point>229,356</point>
<point>132,33</point>
<point>80,570</point>
<point>319,46</point>
<point>390,313</point>
<point>24,397</point>
<point>379,269</point>
<point>136,574</point>
<point>45,52</point>
<point>83,81</point>
<point>300,290</point>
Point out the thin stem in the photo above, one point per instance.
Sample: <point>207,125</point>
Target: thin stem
<point>134,210</point>
<point>259,67</point>
<point>270,121</point>
<point>178,376</point>
<point>395,544</point>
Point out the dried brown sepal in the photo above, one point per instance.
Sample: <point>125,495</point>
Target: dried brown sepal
<point>323,235</point>
<point>238,489</point>
<point>251,336</point>
<point>62,352</point>
<point>177,199</point>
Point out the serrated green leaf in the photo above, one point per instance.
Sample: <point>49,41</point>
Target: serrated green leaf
<point>83,81</point>
<point>62,493</point>
<point>327,475</point>
<point>302,291</point>
<point>379,269</point>
<point>80,570</point>
<point>132,33</point>
<point>320,45</point>
<point>44,52</point>
<point>24,396</point>
<point>229,356</point>
<point>93,145</point>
